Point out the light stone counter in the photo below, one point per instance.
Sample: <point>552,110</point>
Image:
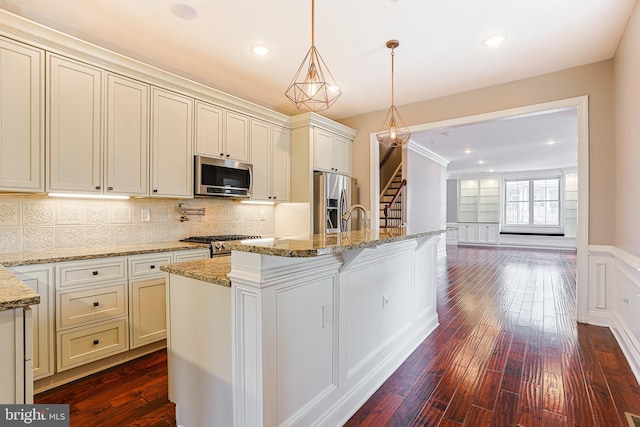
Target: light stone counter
<point>335,243</point>
<point>212,270</point>
<point>75,254</point>
<point>14,293</point>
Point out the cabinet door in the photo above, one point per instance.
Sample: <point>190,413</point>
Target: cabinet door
<point>236,131</point>
<point>74,126</point>
<point>40,279</point>
<point>127,136</point>
<point>468,233</point>
<point>261,160</point>
<point>21,117</point>
<point>342,155</point>
<point>281,159</point>
<point>322,150</point>
<point>171,145</point>
<point>209,137</point>
<point>148,314</point>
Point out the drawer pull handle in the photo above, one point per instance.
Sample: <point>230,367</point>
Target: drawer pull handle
<point>96,303</point>
<point>95,273</point>
<point>153,266</point>
<point>96,342</point>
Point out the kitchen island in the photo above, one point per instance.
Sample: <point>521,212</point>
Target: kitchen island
<point>301,331</point>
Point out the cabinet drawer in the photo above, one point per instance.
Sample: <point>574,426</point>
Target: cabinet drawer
<point>86,344</point>
<point>148,265</point>
<point>81,273</point>
<point>88,305</point>
<point>192,255</point>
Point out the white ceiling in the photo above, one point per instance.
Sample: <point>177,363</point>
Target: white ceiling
<point>441,42</point>
<point>518,143</point>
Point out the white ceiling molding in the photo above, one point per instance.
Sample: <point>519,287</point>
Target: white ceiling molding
<point>419,149</point>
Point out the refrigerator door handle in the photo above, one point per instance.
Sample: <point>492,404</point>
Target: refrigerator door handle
<point>343,210</point>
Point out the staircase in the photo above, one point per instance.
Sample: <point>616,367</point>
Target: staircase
<point>392,201</point>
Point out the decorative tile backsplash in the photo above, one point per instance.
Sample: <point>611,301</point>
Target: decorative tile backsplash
<point>33,223</point>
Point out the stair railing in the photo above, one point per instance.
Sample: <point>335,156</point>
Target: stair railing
<point>391,179</point>
<point>394,205</point>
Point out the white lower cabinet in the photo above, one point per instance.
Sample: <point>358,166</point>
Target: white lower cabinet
<point>16,373</point>
<point>40,279</point>
<point>148,317</point>
<point>488,234</point>
<point>467,233</point>
<point>478,233</point>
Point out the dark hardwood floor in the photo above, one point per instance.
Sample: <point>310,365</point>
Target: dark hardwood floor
<point>508,352</point>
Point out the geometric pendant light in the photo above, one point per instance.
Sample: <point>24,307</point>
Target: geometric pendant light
<point>313,87</point>
<point>394,131</point>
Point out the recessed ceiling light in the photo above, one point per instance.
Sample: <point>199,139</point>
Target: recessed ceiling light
<point>481,162</point>
<point>551,142</point>
<point>184,11</point>
<point>491,170</point>
<point>495,40</point>
<point>467,151</point>
<point>260,50</point>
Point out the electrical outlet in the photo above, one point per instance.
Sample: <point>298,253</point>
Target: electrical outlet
<point>145,215</point>
<point>326,315</point>
<point>385,301</point>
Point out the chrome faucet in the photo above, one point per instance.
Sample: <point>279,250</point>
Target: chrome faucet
<point>347,214</point>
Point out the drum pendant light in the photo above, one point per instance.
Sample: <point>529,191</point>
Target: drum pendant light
<point>313,87</point>
<point>394,131</point>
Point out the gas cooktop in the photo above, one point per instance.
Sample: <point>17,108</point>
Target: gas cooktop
<point>216,244</point>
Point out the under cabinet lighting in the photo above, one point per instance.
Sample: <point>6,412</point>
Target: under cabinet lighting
<point>256,202</point>
<point>89,196</point>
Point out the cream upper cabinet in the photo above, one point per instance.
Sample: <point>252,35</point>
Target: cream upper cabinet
<point>221,133</point>
<point>281,161</point>
<point>209,135</point>
<point>127,154</point>
<point>236,136</point>
<point>171,144</point>
<point>270,158</point>
<point>21,117</point>
<point>331,152</point>
<point>342,154</point>
<point>74,128</point>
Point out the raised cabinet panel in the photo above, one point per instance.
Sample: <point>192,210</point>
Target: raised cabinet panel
<point>281,163</point>
<point>322,150</point>
<point>209,135</point>
<point>261,159</point>
<point>488,233</point>
<point>171,144</point>
<point>148,320</point>
<point>468,233</point>
<point>21,117</point>
<point>74,126</point>
<point>236,131</point>
<point>40,279</point>
<point>342,155</point>
<point>127,161</point>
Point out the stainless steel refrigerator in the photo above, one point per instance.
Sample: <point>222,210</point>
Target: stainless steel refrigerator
<point>333,195</point>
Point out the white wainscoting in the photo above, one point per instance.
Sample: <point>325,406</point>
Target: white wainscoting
<point>614,298</point>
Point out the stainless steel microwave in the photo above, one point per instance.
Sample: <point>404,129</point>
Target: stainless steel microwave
<point>220,177</point>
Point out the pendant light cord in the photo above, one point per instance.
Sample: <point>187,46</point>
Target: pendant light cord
<point>392,76</point>
<point>313,25</point>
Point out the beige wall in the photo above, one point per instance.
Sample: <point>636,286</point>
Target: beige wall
<point>594,80</point>
<point>627,94</point>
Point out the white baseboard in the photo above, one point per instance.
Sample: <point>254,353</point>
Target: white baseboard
<point>628,343</point>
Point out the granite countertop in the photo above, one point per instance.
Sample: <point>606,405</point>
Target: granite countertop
<point>334,243</point>
<point>75,254</point>
<point>14,293</point>
<point>212,270</point>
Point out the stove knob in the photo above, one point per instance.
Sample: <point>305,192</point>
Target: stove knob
<point>218,246</point>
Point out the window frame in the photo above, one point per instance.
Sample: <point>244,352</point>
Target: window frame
<point>531,228</point>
